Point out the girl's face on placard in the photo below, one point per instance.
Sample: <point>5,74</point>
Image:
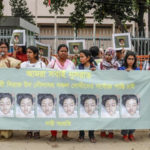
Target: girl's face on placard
<point>111,106</point>
<point>5,105</point>
<point>47,106</point>
<point>84,59</point>
<point>90,106</point>
<point>31,55</point>
<point>69,106</point>
<point>131,106</point>
<point>108,57</point>
<point>16,38</point>
<point>121,42</point>
<point>26,106</point>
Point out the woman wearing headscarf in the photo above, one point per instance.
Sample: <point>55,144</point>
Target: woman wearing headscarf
<point>108,62</point>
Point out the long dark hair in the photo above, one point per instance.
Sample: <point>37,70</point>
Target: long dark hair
<point>60,46</point>
<point>3,42</point>
<point>63,97</point>
<point>41,97</point>
<point>94,50</point>
<point>23,49</point>
<point>22,96</point>
<point>87,54</point>
<point>127,97</point>
<point>130,53</point>
<point>85,97</point>
<point>35,51</point>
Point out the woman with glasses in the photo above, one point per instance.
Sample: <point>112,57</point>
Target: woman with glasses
<point>130,61</point>
<point>129,65</point>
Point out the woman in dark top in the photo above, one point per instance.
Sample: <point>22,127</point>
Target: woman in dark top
<point>129,64</point>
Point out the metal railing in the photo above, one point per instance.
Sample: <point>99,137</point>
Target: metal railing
<point>6,34</point>
<point>140,45</point>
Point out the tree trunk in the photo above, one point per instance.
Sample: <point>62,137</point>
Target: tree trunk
<point>141,23</point>
<point>1,8</point>
<point>76,32</point>
<point>119,24</point>
<point>149,22</point>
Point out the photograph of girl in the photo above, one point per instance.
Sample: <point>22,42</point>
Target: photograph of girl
<point>88,106</point>
<point>110,106</point>
<point>46,106</point>
<point>67,106</point>
<point>25,106</point>
<point>130,106</point>
<point>121,40</point>
<point>18,38</point>
<point>6,105</point>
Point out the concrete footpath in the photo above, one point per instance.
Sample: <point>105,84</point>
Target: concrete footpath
<point>18,142</point>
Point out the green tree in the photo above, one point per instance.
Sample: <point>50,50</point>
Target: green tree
<point>77,18</point>
<point>119,10</point>
<point>122,11</point>
<point>115,9</point>
<point>140,7</point>
<point>1,8</point>
<point>19,9</point>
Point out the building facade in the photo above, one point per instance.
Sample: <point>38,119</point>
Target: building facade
<point>54,27</point>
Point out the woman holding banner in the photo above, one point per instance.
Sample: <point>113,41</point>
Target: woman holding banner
<point>108,64</point>
<point>129,65</point>
<point>33,62</point>
<point>130,61</point>
<point>61,63</point>
<point>87,63</point>
<point>7,62</point>
<point>33,59</point>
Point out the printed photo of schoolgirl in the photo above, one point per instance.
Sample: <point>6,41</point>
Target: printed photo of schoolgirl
<point>130,109</point>
<point>6,105</point>
<point>109,109</point>
<point>46,106</point>
<point>25,106</point>
<point>88,106</point>
<point>110,106</point>
<point>88,109</point>
<point>130,106</point>
<point>67,106</point>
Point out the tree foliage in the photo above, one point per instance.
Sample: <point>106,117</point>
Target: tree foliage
<point>19,9</point>
<point>119,10</point>
<point>1,8</point>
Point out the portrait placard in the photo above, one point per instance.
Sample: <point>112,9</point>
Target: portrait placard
<point>18,38</point>
<point>44,49</point>
<point>75,46</point>
<point>121,40</point>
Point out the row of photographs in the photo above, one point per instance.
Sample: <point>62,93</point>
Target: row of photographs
<point>25,105</point>
<point>120,40</point>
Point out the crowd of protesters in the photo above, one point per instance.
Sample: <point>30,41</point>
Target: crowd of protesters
<point>87,59</point>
